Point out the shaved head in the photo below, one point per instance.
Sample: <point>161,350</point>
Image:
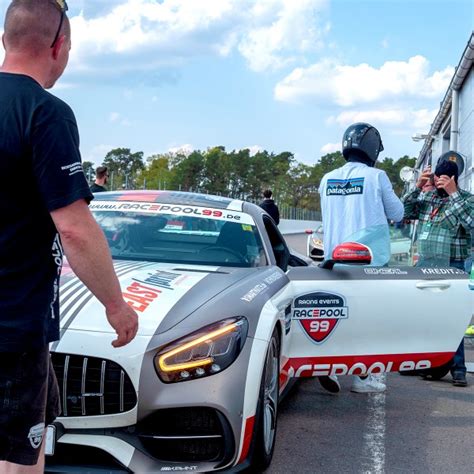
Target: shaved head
<point>30,25</point>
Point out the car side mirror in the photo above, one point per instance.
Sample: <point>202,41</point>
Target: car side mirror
<point>308,231</point>
<point>349,253</point>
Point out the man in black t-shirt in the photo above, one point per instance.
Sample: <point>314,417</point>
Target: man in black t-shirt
<point>39,140</point>
<point>101,178</point>
<point>268,204</point>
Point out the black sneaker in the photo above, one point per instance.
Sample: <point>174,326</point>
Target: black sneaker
<point>459,380</point>
<point>330,383</point>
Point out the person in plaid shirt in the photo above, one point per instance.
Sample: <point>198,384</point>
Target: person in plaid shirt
<point>445,214</point>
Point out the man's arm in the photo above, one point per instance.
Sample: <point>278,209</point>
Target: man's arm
<point>88,254</point>
<point>391,203</point>
<point>460,210</point>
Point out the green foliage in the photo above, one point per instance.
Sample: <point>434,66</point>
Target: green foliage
<point>236,173</point>
<point>392,168</point>
<point>124,165</point>
<point>89,170</point>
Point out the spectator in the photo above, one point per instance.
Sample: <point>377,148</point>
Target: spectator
<point>39,140</point>
<point>268,204</point>
<point>101,179</point>
<point>357,201</point>
<point>445,215</point>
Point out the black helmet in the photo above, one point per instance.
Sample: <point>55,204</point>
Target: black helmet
<point>454,157</point>
<point>362,139</point>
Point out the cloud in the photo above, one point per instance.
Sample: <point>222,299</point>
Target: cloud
<point>115,117</point>
<point>346,85</point>
<point>141,36</point>
<point>185,149</point>
<point>97,153</point>
<point>418,119</point>
<point>330,148</point>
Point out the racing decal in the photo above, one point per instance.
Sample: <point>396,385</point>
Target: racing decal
<point>247,439</point>
<point>319,313</point>
<point>364,364</point>
<point>179,210</point>
<point>442,271</point>
<point>179,468</point>
<point>84,296</point>
<point>345,187</point>
<point>162,279</point>
<point>385,271</point>
<point>139,296</point>
<point>261,287</point>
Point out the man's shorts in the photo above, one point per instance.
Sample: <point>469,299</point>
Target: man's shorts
<point>29,401</point>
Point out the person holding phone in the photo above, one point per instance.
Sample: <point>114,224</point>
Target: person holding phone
<point>445,214</point>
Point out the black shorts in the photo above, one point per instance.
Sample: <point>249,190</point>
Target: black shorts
<point>29,401</point>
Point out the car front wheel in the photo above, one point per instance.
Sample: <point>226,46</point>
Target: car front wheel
<point>267,409</point>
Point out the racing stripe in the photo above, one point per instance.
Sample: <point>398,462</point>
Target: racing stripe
<point>71,288</point>
<point>85,296</point>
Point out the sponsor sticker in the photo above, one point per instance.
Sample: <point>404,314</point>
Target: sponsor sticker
<point>177,210</point>
<point>345,187</point>
<point>319,313</point>
<point>385,271</point>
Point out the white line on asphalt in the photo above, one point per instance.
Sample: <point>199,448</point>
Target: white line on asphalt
<point>374,438</point>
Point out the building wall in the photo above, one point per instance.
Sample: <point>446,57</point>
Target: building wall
<point>466,130</point>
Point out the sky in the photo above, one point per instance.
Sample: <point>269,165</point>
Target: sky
<point>281,75</point>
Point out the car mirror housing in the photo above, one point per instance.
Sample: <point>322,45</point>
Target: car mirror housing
<point>349,253</point>
<point>308,231</point>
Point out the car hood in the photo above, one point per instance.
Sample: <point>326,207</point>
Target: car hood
<point>157,291</point>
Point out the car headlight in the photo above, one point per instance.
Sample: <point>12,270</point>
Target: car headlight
<point>202,353</point>
<point>317,241</point>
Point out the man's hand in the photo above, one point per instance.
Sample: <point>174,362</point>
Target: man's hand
<point>424,178</point>
<point>447,183</point>
<point>125,322</point>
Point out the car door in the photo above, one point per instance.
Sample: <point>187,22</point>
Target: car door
<point>356,320</point>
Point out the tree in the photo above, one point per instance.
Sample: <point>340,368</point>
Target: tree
<point>392,168</point>
<point>89,170</point>
<point>156,174</point>
<point>187,171</point>
<point>124,165</point>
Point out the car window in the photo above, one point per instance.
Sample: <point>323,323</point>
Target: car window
<point>169,237</point>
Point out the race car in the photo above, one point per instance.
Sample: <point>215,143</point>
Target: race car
<point>314,243</point>
<point>228,316</point>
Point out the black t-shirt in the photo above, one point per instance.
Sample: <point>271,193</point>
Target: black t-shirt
<point>41,171</point>
<point>97,188</point>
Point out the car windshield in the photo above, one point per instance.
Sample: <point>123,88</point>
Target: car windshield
<point>182,234</point>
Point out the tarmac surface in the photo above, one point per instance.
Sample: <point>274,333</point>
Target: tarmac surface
<point>416,426</point>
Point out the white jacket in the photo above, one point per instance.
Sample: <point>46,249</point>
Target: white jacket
<point>356,201</point>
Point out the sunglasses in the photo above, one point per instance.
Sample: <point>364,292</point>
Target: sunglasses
<point>62,5</point>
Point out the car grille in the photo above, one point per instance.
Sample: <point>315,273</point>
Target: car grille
<point>187,434</point>
<point>90,386</point>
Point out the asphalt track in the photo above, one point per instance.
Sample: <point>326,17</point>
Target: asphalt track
<point>417,426</point>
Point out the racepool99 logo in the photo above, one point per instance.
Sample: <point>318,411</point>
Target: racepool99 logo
<point>319,313</point>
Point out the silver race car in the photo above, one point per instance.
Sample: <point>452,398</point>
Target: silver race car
<point>228,317</point>
<point>314,244</point>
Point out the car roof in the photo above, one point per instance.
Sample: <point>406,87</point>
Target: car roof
<point>172,197</point>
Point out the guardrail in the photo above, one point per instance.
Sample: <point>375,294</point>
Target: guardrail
<point>290,226</point>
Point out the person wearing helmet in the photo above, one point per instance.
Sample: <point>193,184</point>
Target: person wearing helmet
<point>445,218</point>
<point>357,200</point>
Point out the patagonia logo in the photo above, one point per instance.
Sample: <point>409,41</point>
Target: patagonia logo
<point>345,187</point>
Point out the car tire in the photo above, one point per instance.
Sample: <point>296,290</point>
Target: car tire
<point>265,428</point>
<point>436,373</point>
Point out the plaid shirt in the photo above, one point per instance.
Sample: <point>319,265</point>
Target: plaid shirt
<point>444,223</point>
